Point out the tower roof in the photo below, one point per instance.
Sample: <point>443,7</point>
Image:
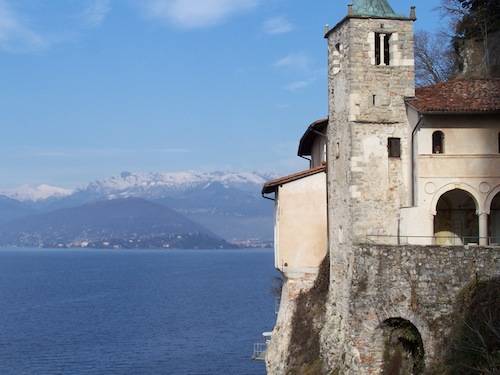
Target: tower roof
<point>374,8</point>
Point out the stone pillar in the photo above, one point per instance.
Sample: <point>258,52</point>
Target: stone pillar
<point>382,49</point>
<point>483,229</point>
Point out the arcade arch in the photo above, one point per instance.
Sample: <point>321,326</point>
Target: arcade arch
<point>494,220</point>
<point>456,221</point>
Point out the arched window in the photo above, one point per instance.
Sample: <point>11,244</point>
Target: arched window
<point>438,142</point>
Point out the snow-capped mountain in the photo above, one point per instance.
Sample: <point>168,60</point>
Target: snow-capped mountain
<point>159,185</point>
<point>36,193</point>
<point>227,203</point>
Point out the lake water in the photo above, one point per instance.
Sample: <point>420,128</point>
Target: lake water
<point>133,312</point>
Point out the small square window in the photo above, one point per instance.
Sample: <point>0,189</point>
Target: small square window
<point>394,147</point>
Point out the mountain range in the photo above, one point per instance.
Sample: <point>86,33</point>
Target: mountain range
<point>221,206</point>
<point>117,223</point>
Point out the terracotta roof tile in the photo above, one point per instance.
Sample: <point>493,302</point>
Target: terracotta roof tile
<point>459,96</point>
<point>271,186</point>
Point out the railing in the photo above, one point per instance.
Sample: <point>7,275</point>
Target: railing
<point>259,351</point>
<point>432,240</point>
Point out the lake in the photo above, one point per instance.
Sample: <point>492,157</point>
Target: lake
<point>134,312</point>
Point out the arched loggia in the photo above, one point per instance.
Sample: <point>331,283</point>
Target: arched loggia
<point>494,225</point>
<point>456,221</point>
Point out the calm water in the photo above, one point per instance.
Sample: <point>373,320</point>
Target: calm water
<point>133,312</point>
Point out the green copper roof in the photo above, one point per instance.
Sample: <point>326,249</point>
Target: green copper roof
<point>376,8</point>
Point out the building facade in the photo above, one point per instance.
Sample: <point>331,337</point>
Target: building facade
<point>412,197</point>
<point>300,232</point>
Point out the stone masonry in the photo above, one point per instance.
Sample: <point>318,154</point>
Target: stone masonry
<point>417,283</point>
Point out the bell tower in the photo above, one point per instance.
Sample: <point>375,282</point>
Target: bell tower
<point>371,71</point>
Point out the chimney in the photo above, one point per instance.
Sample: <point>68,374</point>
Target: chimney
<point>413,13</point>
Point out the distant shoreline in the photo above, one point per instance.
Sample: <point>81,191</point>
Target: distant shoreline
<point>21,248</point>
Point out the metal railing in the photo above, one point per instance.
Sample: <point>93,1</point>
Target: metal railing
<point>432,240</point>
<point>259,351</point>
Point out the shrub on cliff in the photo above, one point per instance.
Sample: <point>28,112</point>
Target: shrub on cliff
<point>475,339</point>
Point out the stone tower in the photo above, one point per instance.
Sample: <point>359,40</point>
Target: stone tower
<point>371,71</point>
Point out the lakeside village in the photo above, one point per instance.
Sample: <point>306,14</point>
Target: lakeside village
<point>389,244</point>
<point>189,241</point>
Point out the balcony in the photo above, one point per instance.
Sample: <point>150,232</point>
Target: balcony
<point>260,349</point>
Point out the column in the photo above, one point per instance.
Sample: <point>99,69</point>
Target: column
<point>382,49</point>
<point>483,229</point>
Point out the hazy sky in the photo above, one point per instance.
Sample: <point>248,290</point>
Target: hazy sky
<point>90,88</point>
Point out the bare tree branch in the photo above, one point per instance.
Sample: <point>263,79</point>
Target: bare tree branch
<point>434,58</point>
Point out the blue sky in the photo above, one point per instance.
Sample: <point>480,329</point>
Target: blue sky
<point>90,88</point>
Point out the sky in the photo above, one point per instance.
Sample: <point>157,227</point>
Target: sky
<point>91,88</point>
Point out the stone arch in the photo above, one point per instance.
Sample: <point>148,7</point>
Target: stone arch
<point>456,221</point>
<point>401,348</point>
<point>493,211</point>
<point>373,329</point>
<point>489,199</point>
<point>459,186</point>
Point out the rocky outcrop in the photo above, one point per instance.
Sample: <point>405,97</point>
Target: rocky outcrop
<point>480,57</point>
<point>295,344</point>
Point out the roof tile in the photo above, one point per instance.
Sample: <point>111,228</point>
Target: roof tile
<point>459,96</point>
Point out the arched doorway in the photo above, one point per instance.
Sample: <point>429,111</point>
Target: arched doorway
<point>456,221</point>
<point>403,351</point>
<point>495,220</point>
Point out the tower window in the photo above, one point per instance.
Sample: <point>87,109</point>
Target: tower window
<point>394,147</point>
<point>382,49</point>
<point>438,142</point>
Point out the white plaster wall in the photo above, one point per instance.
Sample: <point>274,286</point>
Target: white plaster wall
<point>318,152</point>
<point>468,135</point>
<point>470,162</point>
<point>301,242</point>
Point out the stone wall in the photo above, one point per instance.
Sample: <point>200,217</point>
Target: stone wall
<point>365,188</point>
<point>415,283</point>
<point>366,109</point>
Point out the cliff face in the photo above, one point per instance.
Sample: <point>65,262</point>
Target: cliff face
<point>480,58</point>
<point>295,347</point>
